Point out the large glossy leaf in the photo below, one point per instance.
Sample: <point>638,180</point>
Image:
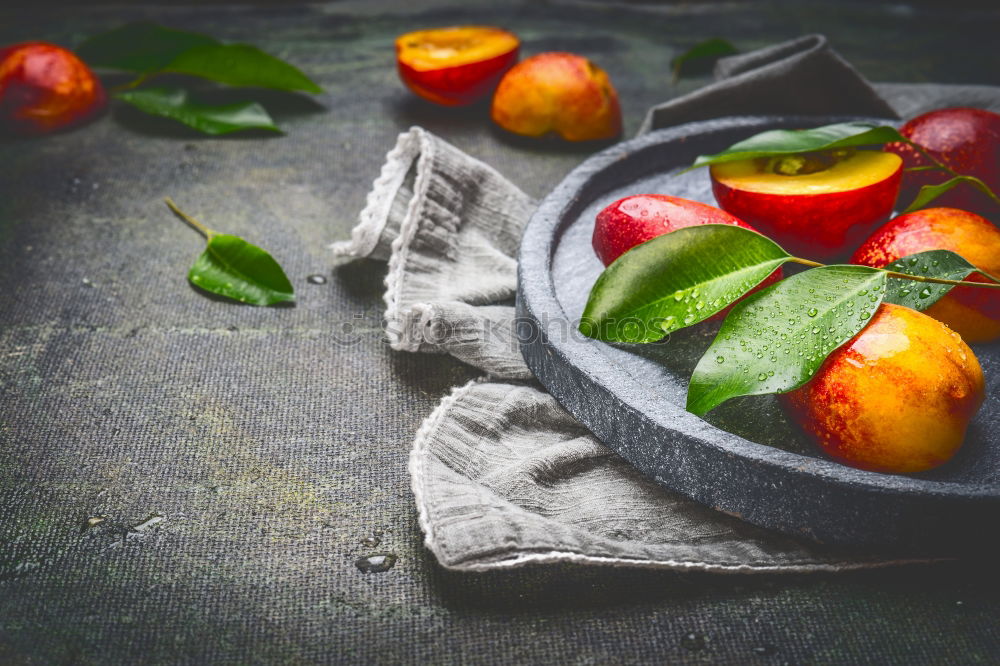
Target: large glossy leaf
<point>139,47</point>
<point>234,268</point>
<point>783,142</point>
<point>935,263</point>
<point>776,339</point>
<point>701,53</point>
<point>677,280</point>
<point>175,103</point>
<point>240,65</point>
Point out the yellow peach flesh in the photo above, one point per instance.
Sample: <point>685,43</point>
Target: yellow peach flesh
<point>863,168</point>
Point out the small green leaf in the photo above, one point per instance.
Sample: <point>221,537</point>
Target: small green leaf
<point>234,268</point>
<point>139,47</point>
<point>783,142</point>
<point>776,339</point>
<point>708,50</point>
<point>175,103</point>
<point>935,263</point>
<point>240,65</point>
<point>677,280</point>
<point>929,193</point>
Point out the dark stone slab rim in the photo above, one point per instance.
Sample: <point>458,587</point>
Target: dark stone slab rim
<point>578,374</point>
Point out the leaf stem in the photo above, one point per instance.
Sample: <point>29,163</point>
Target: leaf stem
<point>134,83</point>
<point>201,228</point>
<point>917,278</point>
<point>978,184</point>
<point>807,262</point>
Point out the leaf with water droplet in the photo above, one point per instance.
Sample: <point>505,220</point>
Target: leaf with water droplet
<point>920,296</point>
<point>234,268</point>
<point>712,383</point>
<point>714,263</point>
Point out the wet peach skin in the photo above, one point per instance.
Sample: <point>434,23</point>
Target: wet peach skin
<point>965,139</point>
<point>45,88</point>
<point>455,65</point>
<point>896,398</point>
<point>635,219</point>
<point>557,92</point>
<point>972,312</point>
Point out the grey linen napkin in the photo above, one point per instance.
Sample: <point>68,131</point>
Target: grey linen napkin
<point>502,475</point>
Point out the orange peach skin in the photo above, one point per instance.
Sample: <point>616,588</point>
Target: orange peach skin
<point>973,313</point>
<point>45,88</point>
<point>896,398</point>
<point>558,92</point>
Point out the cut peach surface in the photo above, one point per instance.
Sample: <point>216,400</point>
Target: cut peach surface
<point>816,207</point>
<point>455,65</point>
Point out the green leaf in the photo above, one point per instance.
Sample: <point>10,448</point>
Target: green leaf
<point>139,47</point>
<point>776,339</point>
<point>929,193</point>
<point>710,49</point>
<point>175,103</point>
<point>234,268</point>
<point>934,263</point>
<point>240,65</point>
<point>783,142</point>
<point>677,280</point>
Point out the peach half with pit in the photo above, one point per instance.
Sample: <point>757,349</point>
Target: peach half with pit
<point>456,65</point>
<point>816,205</point>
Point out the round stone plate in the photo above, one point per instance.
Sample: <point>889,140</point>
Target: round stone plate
<point>744,458</point>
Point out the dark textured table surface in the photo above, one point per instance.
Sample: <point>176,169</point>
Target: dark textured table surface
<point>272,441</point>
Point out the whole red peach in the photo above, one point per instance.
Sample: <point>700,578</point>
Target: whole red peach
<point>558,92</point>
<point>897,398</point>
<point>968,141</point>
<point>973,312</point>
<point>635,219</point>
<point>45,88</point>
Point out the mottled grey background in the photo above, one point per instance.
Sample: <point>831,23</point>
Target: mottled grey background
<point>272,441</point>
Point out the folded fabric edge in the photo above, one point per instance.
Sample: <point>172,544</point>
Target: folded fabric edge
<point>514,559</point>
<point>555,557</point>
<point>374,216</point>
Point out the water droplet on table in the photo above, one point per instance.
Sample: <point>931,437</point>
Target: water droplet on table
<point>376,563</point>
<point>92,522</point>
<point>316,278</point>
<point>371,542</point>
<point>693,642</point>
<point>149,522</point>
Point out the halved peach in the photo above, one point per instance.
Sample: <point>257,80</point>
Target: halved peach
<point>455,65</point>
<point>816,205</point>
